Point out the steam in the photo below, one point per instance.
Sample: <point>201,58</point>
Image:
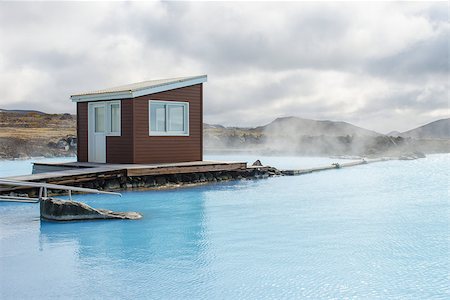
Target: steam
<point>295,136</point>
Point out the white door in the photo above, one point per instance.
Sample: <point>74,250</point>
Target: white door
<point>97,132</point>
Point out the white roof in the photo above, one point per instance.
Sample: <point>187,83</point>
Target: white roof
<point>138,89</point>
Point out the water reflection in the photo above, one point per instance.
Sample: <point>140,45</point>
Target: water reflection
<point>168,241</point>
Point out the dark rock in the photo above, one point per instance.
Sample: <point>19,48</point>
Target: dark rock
<point>172,179</point>
<point>406,157</point>
<point>150,181</point>
<point>161,180</point>
<point>61,210</point>
<point>336,165</point>
<point>51,144</point>
<point>184,178</point>
<point>196,177</point>
<point>66,117</point>
<point>62,144</point>
<point>72,141</point>
<point>257,163</point>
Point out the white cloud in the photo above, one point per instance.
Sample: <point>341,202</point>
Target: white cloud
<point>380,65</point>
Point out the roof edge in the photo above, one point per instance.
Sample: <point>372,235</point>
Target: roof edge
<point>140,92</point>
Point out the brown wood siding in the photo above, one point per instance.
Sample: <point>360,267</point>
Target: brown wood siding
<point>201,123</point>
<point>119,149</point>
<point>165,149</point>
<point>82,131</point>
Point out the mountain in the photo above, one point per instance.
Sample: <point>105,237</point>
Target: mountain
<point>297,136</point>
<point>212,126</point>
<point>439,129</point>
<point>22,111</point>
<point>295,126</point>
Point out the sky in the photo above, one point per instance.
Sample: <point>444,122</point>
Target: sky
<point>382,66</point>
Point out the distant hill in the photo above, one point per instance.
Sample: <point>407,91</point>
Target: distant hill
<point>22,111</point>
<point>28,133</point>
<point>439,129</point>
<point>25,133</point>
<point>297,136</point>
<point>212,126</point>
<point>295,126</point>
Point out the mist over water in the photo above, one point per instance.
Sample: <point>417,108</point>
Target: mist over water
<point>296,136</point>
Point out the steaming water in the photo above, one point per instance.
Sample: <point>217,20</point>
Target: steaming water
<point>377,231</point>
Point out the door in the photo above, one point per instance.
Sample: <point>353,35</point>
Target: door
<point>97,132</point>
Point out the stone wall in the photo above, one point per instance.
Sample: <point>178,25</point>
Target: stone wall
<point>121,183</point>
<point>175,180</point>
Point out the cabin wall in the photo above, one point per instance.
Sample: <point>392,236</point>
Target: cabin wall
<point>119,149</point>
<point>134,145</point>
<point>82,131</point>
<point>163,149</point>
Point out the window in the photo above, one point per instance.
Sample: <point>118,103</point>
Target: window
<point>158,117</point>
<point>99,113</point>
<point>169,118</point>
<point>114,124</point>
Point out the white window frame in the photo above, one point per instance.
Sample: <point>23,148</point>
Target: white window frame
<point>108,118</point>
<point>168,133</point>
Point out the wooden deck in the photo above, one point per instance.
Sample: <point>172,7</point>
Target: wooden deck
<point>75,172</point>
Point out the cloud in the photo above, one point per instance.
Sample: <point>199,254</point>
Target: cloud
<point>383,66</point>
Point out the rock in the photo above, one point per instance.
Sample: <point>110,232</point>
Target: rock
<point>161,180</point>
<point>150,181</point>
<point>419,154</point>
<point>62,144</point>
<point>257,163</point>
<point>113,184</point>
<point>62,210</point>
<point>66,117</point>
<point>405,157</point>
<point>72,141</point>
<point>51,144</point>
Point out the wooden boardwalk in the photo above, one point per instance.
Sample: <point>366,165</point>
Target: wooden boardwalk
<point>75,172</point>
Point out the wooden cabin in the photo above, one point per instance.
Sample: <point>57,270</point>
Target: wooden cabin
<point>156,121</point>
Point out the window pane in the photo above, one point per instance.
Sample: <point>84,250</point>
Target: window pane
<point>99,113</point>
<point>157,117</point>
<point>176,117</point>
<point>115,118</point>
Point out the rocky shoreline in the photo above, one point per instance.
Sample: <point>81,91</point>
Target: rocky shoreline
<point>154,182</point>
<point>14,148</point>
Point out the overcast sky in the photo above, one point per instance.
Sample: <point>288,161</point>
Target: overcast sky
<point>382,66</point>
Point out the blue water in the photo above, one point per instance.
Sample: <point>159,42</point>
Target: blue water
<point>25,166</point>
<point>377,231</point>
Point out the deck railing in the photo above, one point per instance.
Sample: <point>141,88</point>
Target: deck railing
<point>43,190</point>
